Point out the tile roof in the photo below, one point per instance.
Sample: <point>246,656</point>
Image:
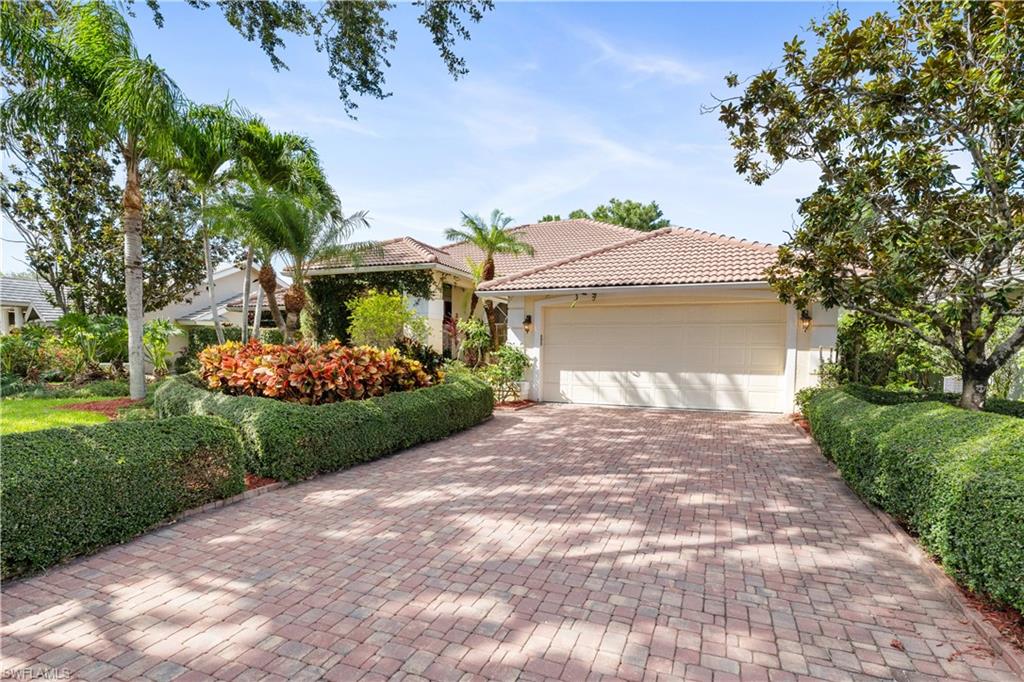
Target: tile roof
<point>665,256</point>
<point>551,241</point>
<point>29,292</point>
<point>397,251</point>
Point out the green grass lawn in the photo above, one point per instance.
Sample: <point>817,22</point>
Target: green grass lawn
<point>33,414</point>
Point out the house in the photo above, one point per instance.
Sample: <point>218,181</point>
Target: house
<point>676,317</point>
<point>25,300</point>
<point>194,310</point>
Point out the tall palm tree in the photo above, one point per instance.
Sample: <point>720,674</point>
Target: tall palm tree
<point>491,238</point>
<point>300,229</point>
<point>86,72</point>
<point>208,151</point>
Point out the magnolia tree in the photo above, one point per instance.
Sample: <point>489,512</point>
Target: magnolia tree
<point>916,123</point>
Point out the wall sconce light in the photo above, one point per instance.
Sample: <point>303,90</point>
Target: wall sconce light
<point>528,324</point>
<point>805,320</point>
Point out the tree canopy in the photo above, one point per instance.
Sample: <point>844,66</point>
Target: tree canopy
<point>356,36</point>
<point>625,212</point>
<point>915,122</point>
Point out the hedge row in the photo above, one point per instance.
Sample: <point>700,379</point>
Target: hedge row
<point>290,441</point>
<point>68,491</point>
<point>880,396</point>
<point>954,477</point>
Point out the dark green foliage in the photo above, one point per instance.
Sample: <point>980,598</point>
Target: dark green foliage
<point>955,477</point>
<point>356,36</point>
<point>879,396</point>
<point>431,360</point>
<point>330,293</point>
<point>289,441</point>
<point>69,491</point>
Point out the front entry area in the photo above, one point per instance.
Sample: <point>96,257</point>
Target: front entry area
<point>717,356</point>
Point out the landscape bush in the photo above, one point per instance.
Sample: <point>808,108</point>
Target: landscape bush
<point>68,491</point>
<point>309,374</point>
<point>881,396</point>
<point>952,476</point>
<point>103,388</point>
<point>291,441</point>
<point>201,337</point>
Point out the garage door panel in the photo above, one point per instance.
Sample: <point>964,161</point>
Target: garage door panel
<point>728,356</point>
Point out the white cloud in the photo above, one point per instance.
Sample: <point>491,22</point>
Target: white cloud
<point>643,64</point>
<point>295,118</point>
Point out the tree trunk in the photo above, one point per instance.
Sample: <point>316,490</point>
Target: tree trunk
<point>473,301</point>
<point>268,280</point>
<point>492,323</point>
<point>209,271</point>
<point>257,315</point>
<point>972,397</point>
<point>246,292</point>
<point>132,217</point>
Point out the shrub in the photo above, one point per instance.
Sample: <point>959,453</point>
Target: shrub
<point>475,340</point>
<point>309,374</point>
<point>954,477</point>
<point>880,396</point>
<point>430,359</point>
<point>381,319</point>
<point>104,388</point>
<point>68,491</point>
<point>506,373</point>
<point>289,441</point>
<point>201,337</point>
<point>155,337</point>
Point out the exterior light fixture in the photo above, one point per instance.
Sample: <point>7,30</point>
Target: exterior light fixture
<point>528,324</point>
<point>805,320</point>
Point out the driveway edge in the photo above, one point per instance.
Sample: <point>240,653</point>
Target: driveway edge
<point>939,579</point>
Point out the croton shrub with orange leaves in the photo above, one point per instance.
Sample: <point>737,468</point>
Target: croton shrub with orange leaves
<point>310,374</point>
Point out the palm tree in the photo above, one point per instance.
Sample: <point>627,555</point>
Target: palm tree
<point>490,238</point>
<point>87,73</point>
<point>208,149</point>
<point>300,229</point>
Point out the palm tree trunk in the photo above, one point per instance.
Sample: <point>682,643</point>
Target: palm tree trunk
<point>246,292</point>
<point>209,270</point>
<point>257,314</point>
<point>132,217</point>
<point>268,280</point>
<point>492,323</point>
<point>275,312</point>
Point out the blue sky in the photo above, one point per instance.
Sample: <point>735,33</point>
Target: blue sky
<point>565,105</point>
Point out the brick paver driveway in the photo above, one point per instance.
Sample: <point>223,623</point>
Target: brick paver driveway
<point>557,542</point>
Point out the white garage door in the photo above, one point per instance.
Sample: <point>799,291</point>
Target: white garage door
<point>721,356</point>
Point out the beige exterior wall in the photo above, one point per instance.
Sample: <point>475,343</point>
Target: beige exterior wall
<point>800,352</point>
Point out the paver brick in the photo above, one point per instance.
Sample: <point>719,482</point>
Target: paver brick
<point>559,542</point>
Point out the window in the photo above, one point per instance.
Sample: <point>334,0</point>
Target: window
<point>501,323</point>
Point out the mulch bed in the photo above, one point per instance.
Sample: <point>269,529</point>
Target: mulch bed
<point>252,481</point>
<point>108,408</point>
<point>514,405</point>
<point>800,421</point>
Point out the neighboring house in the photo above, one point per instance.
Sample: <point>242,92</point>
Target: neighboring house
<point>25,300</point>
<point>670,318</point>
<point>194,310</point>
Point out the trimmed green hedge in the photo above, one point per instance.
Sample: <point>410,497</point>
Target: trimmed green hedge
<point>881,396</point>
<point>954,477</point>
<point>288,441</point>
<point>69,491</point>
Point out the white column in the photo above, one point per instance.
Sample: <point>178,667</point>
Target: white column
<point>789,373</point>
<point>5,327</point>
<point>19,317</point>
<point>435,315</point>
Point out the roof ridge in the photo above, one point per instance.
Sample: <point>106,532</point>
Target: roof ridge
<point>590,221</point>
<point>719,237</point>
<point>642,236</point>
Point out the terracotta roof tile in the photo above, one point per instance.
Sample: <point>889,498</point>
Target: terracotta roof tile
<point>551,241</point>
<point>397,251</point>
<point>666,256</point>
